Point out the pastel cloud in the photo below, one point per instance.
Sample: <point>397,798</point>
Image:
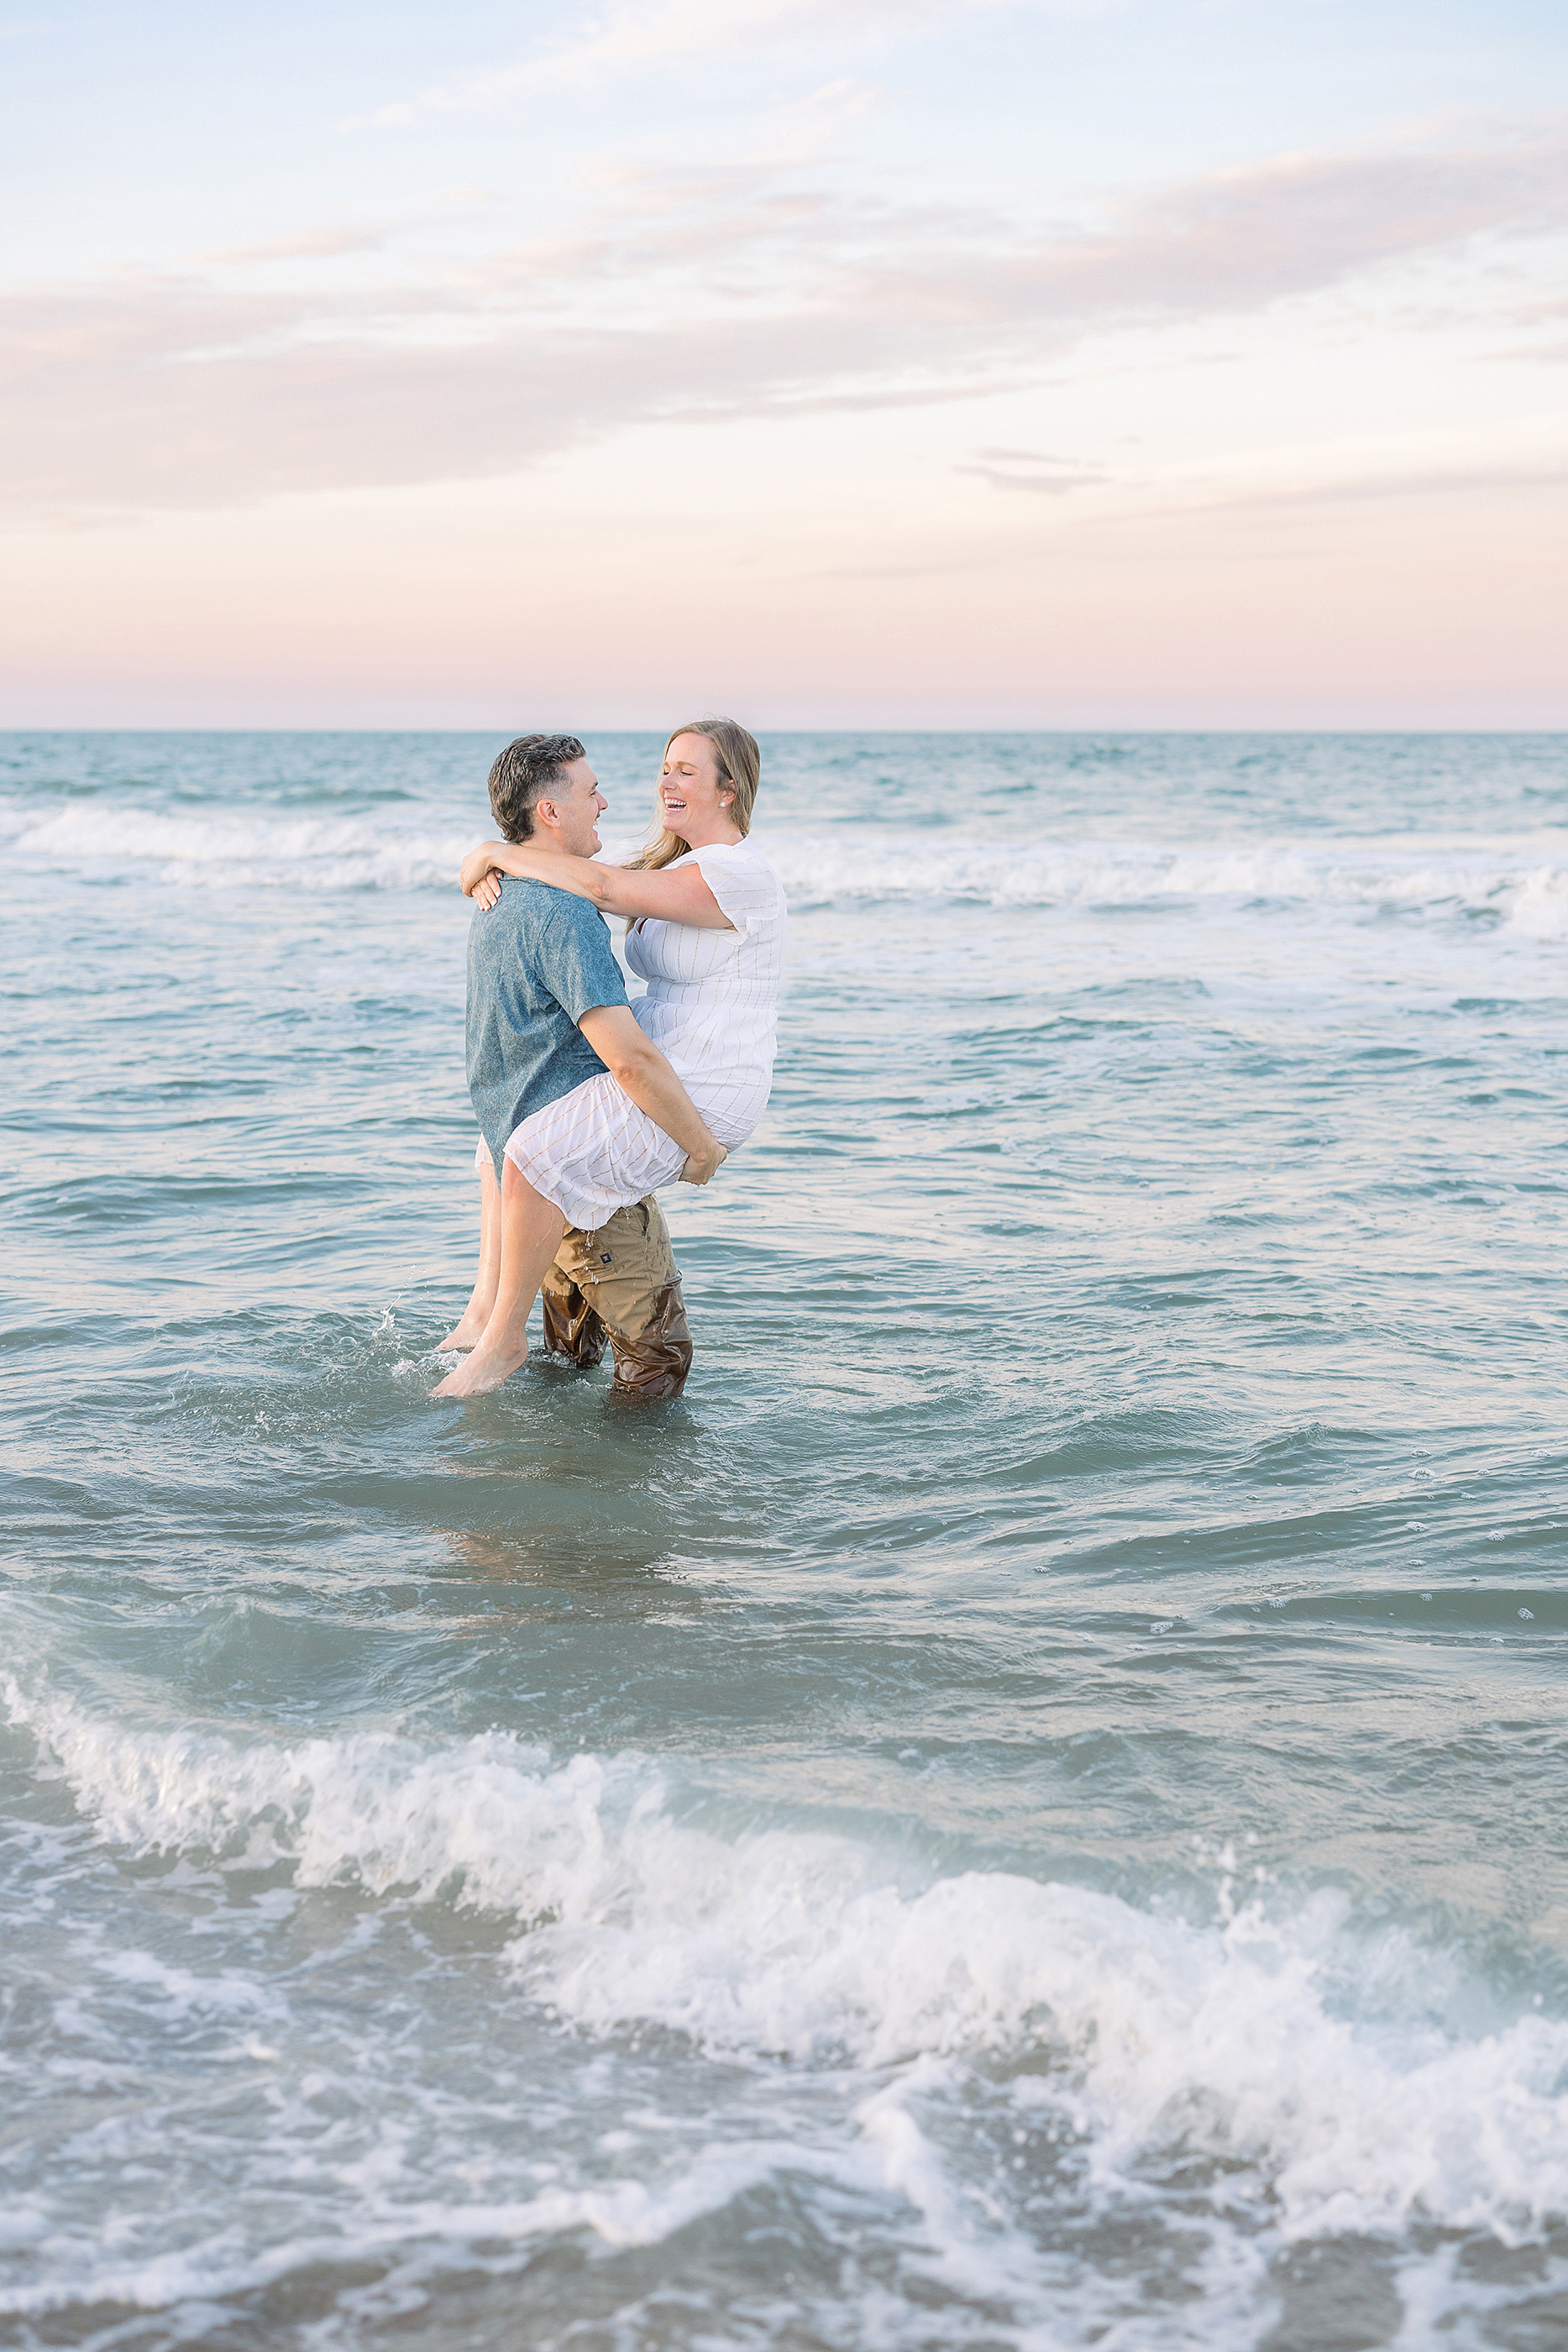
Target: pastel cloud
<point>631,38</point>
<point>681,296</point>
<point>306,245</point>
<point>1028,471</point>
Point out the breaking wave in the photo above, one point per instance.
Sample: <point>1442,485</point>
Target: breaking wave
<point>1294,2042</point>
<point>1522,880</point>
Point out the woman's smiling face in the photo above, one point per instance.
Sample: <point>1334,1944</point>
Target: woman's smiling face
<point>690,793</point>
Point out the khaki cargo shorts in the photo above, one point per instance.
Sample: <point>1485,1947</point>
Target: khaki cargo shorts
<point>620,1284</point>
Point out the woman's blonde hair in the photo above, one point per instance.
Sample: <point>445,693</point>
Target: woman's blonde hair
<point>739,764</point>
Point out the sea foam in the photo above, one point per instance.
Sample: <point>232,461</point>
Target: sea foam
<point>1283,2038</point>
<point>1522,879</point>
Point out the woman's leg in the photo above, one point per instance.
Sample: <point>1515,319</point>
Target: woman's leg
<point>466,1332</point>
<point>531,1228</point>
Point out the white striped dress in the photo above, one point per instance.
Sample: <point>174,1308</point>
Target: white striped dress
<point>711,1008</point>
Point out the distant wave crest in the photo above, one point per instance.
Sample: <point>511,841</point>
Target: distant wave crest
<point>1521,881</point>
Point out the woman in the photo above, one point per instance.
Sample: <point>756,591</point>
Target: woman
<point>706,923</point>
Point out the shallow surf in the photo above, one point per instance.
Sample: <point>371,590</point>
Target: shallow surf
<point>1027,1809</point>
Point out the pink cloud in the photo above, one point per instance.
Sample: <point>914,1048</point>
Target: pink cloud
<point>689,297</point>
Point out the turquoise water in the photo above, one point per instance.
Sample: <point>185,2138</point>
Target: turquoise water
<point>1027,1811</point>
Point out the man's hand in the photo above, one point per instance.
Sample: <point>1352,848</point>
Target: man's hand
<point>701,1165</point>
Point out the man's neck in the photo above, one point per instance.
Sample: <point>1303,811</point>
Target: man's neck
<point>548,844</point>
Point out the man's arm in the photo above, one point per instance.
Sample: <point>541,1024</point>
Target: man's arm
<point>641,1070</point>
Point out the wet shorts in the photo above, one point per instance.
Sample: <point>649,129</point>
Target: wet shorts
<point>620,1284</point>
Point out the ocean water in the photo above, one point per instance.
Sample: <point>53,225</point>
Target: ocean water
<point>1028,1810</point>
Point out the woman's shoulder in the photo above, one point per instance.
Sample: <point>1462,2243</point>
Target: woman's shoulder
<point>745,848</point>
<point>744,863</point>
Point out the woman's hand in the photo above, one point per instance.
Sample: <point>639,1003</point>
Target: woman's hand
<point>486,890</point>
<point>701,1165</point>
<point>479,866</point>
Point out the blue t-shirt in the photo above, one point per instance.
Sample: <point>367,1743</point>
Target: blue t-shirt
<point>537,962</point>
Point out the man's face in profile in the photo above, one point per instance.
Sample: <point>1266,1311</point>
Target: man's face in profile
<point>577,802</point>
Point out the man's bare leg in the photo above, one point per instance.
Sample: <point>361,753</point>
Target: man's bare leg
<point>467,1332</point>
<point>531,1228</point>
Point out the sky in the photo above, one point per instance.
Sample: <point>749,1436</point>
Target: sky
<point>962,363</point>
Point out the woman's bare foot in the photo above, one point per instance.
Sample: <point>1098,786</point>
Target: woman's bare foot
<point>465,1333</point>
<point>493,1360</point>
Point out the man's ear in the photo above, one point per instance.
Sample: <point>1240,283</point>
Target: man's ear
<point>547,811</point>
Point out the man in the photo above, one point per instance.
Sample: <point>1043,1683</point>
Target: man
<point>547,1009</point>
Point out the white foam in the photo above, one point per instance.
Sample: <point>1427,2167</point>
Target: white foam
<point>311,853</point>
<point>1539,908</point>
<point>1293,2044</point>
<point>1491,874</point>
<point>186,1994</point>
<point>619,2213</point>
<point>1522,878</point>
